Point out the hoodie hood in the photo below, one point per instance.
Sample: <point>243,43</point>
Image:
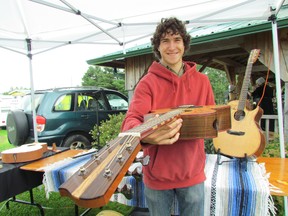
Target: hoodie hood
<point>162,72</point>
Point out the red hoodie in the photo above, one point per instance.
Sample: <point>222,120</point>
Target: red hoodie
<point>181,164</point>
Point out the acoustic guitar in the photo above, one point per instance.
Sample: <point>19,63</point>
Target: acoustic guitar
<point>245,138</point>
<point>200,121</point>
<point>94,183</point>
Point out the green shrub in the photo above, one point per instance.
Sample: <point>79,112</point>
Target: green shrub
<point>108,130</point>
<point>272,148</point>
<point>209,147</point>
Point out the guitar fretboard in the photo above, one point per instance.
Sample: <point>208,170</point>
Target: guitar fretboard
<point>152,124</point>
<point>243,95</point>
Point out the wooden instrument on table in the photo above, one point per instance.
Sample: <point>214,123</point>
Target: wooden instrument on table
<point>94,183</point>
<point>245,138</point>
<point>24,153</point>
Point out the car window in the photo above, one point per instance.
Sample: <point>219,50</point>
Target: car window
<point>26,102</point>
<point>81,102</point>
<point>91,102</point>
<point>63,103</point>
<point>117,102</point>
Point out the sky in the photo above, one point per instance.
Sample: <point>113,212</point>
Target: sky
<point>61,67</point>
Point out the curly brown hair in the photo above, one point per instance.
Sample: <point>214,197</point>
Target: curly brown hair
<point>169,25</point>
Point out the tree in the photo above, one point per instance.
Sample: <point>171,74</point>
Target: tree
<point>219,84</point>
<point>104,77</point>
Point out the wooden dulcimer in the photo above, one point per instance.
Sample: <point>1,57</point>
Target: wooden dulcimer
<point>24,153</point>
<point>94,183</point>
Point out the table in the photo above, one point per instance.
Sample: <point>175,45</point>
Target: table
<point>15,180</point>
<point>278,169</point>
<point>219,190</point>
<point>39,165</point>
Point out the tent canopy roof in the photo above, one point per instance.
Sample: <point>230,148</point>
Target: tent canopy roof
<point>199,35</point>
<point>52,23</point>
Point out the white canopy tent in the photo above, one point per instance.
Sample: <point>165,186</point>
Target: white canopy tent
<point>55,23</point>
<point>36,26</point>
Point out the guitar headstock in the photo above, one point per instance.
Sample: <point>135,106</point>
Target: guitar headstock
<point>254,54</point>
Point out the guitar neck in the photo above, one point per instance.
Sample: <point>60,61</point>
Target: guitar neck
<point>149,126</point>
<point>243,95</point>
<point>245,86</point>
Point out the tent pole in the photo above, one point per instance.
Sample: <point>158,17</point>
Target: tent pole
<point>278,94</point>
<point>28,41</point>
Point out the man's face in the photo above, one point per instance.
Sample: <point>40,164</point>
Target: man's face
<point>171,49</point>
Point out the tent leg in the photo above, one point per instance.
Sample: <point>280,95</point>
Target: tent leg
<point>32,89</point>
<point>278,93</point>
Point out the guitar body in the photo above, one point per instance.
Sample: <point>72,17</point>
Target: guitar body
<point>245,138</point>
<point>201,121</point>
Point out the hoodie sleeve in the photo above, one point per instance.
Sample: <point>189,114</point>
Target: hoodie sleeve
<point>140,105</point>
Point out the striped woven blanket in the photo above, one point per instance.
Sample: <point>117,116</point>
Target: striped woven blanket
<point>231,188</point>
<point>236,188</point>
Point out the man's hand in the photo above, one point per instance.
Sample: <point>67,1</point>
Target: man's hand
<point>166,134</point>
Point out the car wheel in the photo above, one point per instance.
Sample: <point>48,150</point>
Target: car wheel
<point>17,127</point>
<point>77,141</point>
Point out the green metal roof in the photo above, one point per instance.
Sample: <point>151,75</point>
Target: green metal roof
<point>203,35</point>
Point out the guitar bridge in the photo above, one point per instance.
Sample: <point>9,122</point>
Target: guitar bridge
<point>236,133</point>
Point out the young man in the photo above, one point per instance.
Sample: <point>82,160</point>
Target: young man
<point>175,166</point>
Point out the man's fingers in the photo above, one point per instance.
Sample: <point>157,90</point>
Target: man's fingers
<point>167,134</point>
<point>170,141</point>
<point>171,129</point>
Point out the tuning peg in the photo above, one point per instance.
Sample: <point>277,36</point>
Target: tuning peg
<point>107,173</point>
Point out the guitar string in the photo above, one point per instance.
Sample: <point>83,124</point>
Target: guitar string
<point>88,164</point>
<point>115,142</point>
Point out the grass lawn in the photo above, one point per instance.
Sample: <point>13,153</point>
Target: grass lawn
<point>55,205</point>
<point>4,143</point>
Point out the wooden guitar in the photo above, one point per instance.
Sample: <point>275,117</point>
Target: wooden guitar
<point>245,138</point>
<point>201,121</point>
<point>94,183</point>
<point>24,153</point>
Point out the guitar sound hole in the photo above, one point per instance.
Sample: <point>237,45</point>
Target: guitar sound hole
<point>239,115</point>
<point>215,125</point>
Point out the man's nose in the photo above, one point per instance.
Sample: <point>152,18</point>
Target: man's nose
<point>172,45</point>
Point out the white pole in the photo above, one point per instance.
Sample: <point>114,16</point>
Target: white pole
<point>278,95</point>
<point>29,48</point>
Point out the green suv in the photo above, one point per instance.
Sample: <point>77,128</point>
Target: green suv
<point>64,116</point>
